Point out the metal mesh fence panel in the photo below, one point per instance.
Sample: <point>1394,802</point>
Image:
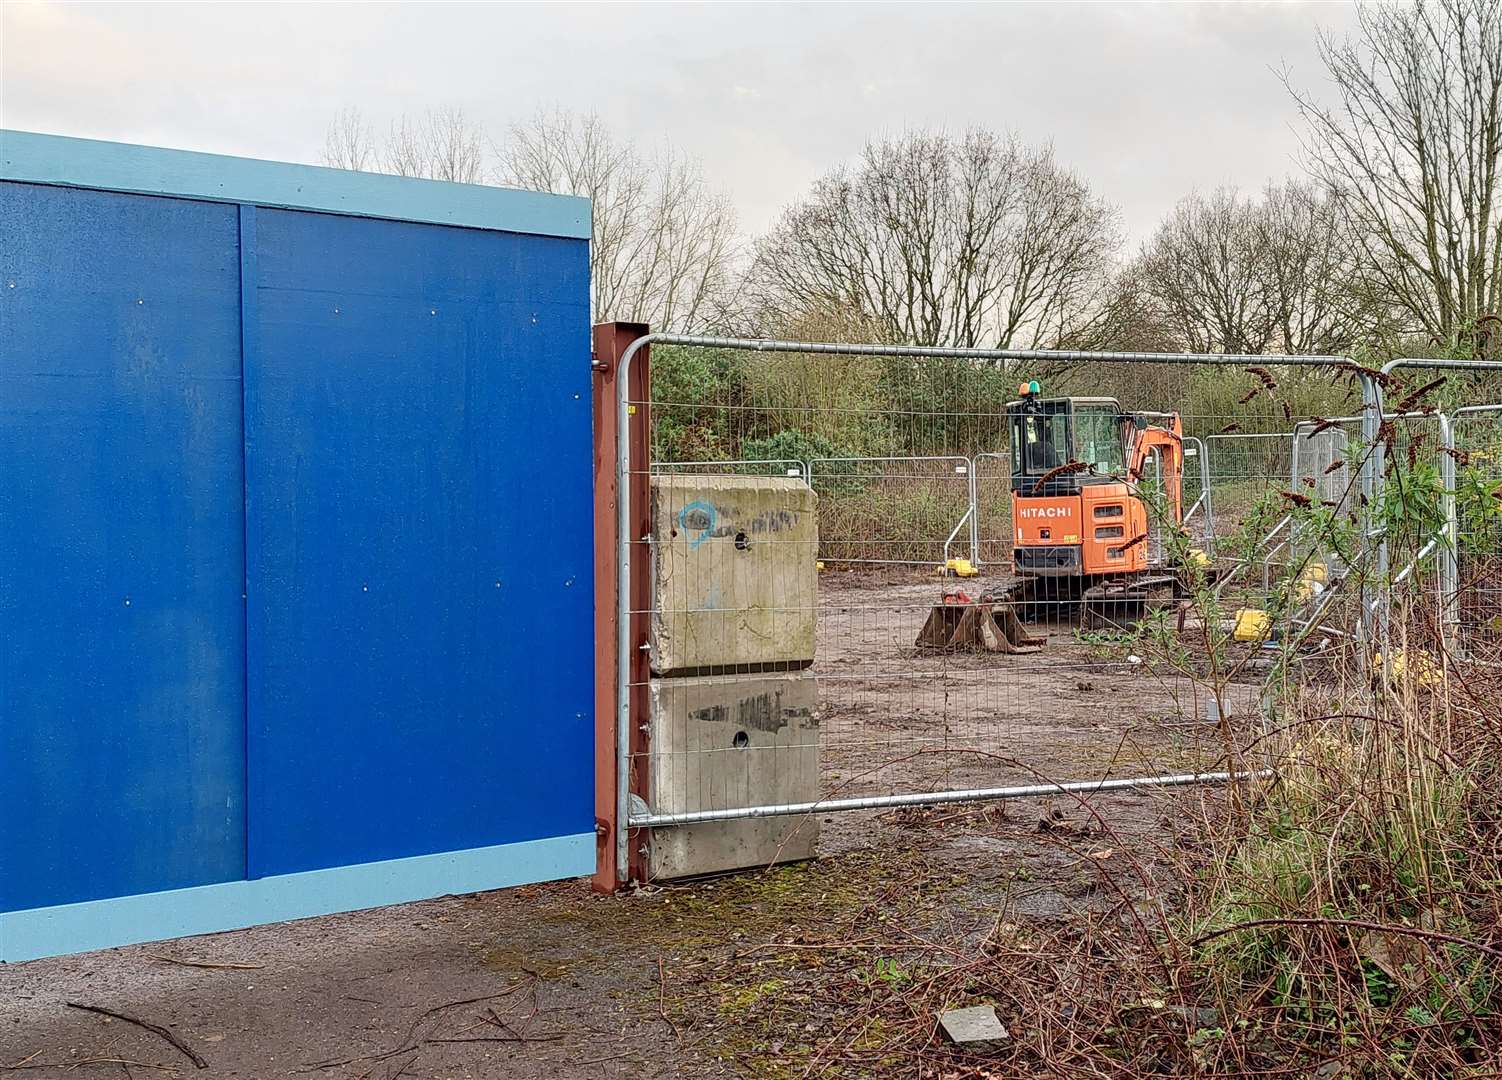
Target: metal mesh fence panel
<point>993,508</point>
<point>1477,607</point>
<point>874,579</point>
<point>893,511</point>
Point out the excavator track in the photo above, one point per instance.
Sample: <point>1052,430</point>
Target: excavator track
<point>1102,604</point>
<point>1122,604</point>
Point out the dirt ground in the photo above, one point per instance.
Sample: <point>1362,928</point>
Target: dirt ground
<point>898,718</point>
<point>749,975</point>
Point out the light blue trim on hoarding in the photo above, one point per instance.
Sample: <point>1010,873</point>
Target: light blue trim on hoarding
<point>233,905</point>
<point>34,158</point>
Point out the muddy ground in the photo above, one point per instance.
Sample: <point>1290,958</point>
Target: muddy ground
<point>760,974</point>
<point>1084,707</point>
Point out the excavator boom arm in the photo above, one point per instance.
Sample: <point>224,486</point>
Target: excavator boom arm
<point>1169,443</point>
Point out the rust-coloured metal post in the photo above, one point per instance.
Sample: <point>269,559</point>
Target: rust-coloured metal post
<point>610,341</point>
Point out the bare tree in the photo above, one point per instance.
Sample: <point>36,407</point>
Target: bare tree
<point>349,142</point>
<point>1410,146</point>
<point>663,240</point>
<point>441,144</point>
<point>1203,271</point>
<point>1225,273</point>
<point>941,241</point>
<point>1125,318</point>
<point>1310,271</point>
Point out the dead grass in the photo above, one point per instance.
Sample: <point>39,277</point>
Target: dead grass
<point>1343,919</point>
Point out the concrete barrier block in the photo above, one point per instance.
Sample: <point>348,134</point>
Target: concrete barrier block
<point>735,572</point>
<point>721,742</point>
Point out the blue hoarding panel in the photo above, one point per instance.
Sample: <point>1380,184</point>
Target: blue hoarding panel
<point>121,546</point>
<point>420,537</point>
<point>376,430</point>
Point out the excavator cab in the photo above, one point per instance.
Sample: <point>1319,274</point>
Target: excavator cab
<point>1048,434</point>
<point>1079,465</point>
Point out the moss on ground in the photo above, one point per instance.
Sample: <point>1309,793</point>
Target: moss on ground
<point>757,967</point>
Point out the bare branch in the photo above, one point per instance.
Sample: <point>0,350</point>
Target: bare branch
<point>940,241</point>
<point>441,144</point>
<point>1410,147</point>
<point>663,240</point>
<point>349,142</point>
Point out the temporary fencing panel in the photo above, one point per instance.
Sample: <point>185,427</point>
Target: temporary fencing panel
<point>992,470</point>
<point>293,616</point>
<point>1478,607</point>
<point>893,510</point>
<point>895,723</point>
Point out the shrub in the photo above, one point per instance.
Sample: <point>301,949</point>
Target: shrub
<point>694,392</point>
<point>836,398</point>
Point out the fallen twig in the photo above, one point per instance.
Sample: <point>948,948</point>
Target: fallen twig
<point>833,946</point>
<point>77,1063</point>
<point>209,964</point>
<point>408,1042</point>
<point>613,1057</point>
<point>493,1038</point>
<point>156,1029</point>
<point>662,1000</point>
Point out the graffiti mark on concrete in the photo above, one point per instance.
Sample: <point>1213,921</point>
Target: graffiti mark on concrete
<point>759,712</point>
<point>774,521</point>
<point>704,519</point>
<point>699,517</point>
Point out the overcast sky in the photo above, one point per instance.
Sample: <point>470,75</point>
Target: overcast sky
<point>1148,101</point>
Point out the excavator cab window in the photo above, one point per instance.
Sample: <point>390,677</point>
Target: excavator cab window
<point>1099,435</point>
<point>1041,439</point>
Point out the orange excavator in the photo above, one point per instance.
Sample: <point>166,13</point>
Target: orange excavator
<point>1084,538</point>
